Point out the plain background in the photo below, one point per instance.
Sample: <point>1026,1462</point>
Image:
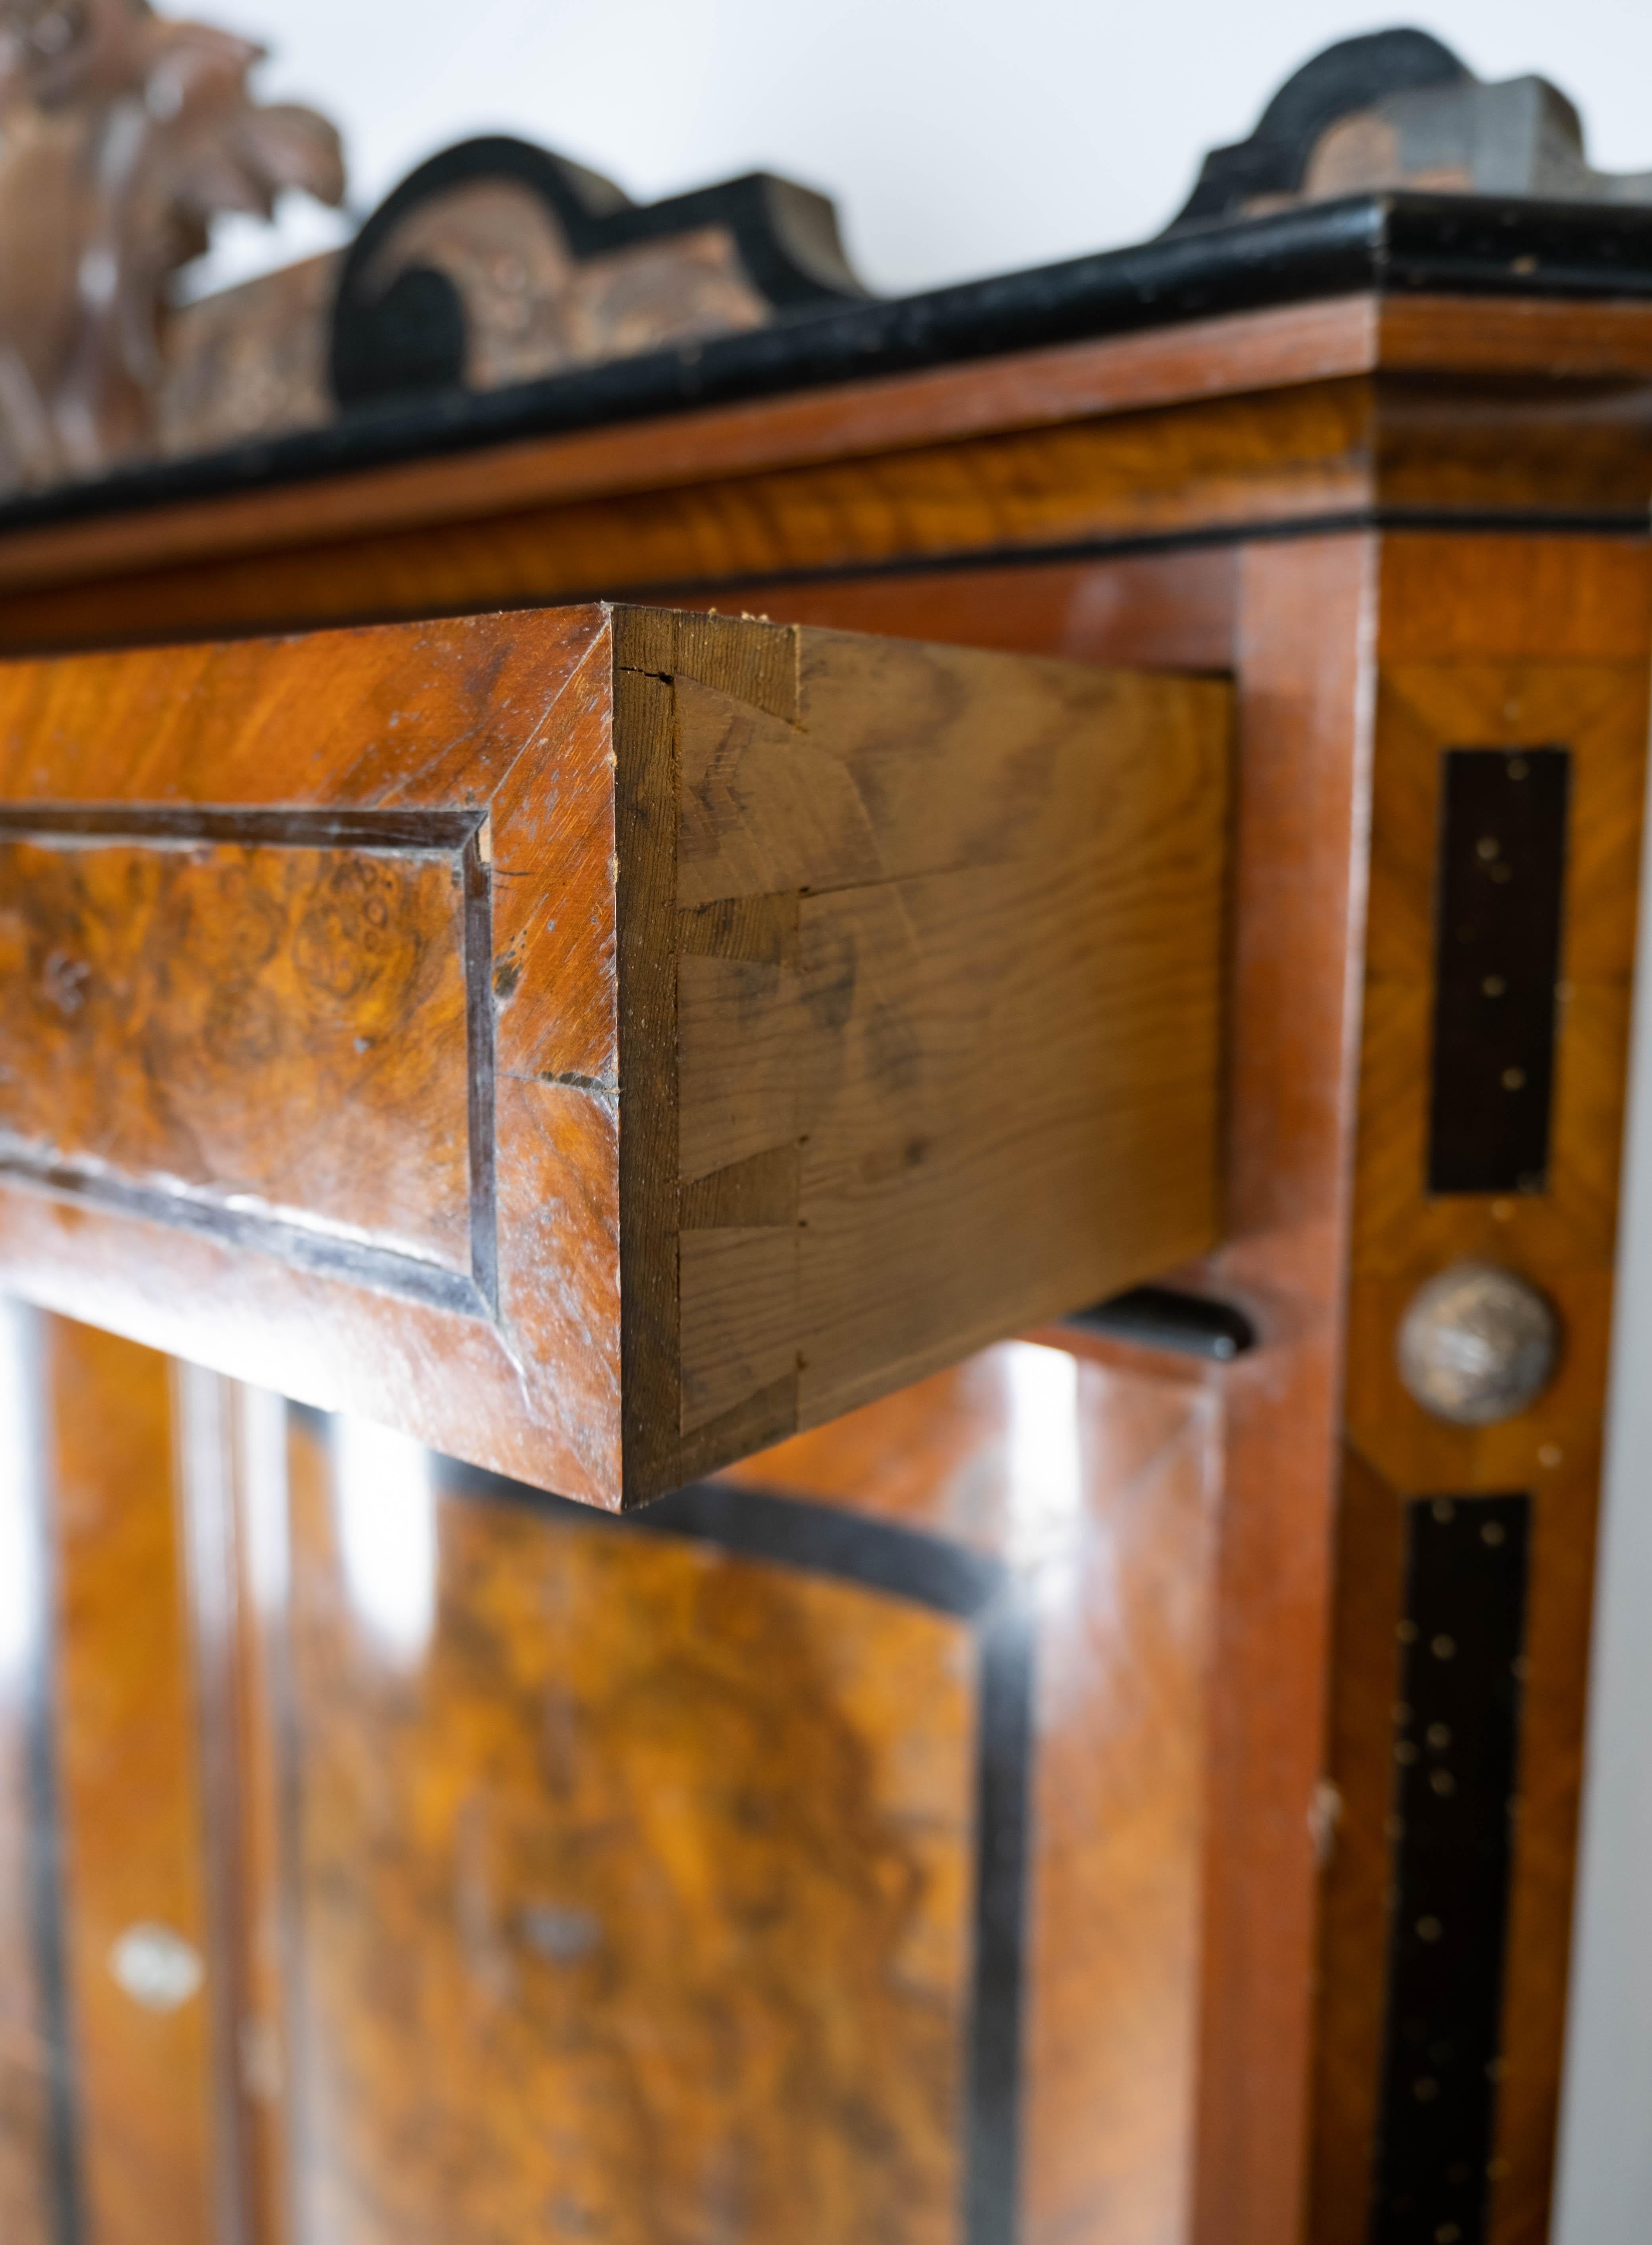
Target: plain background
<point>975,138</point>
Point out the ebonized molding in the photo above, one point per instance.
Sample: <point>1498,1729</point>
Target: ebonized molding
<point>1388,244</point>
<point>1349,76</point>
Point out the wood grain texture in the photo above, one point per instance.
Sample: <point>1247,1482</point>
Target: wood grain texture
<point>961,978</point>
<point>1555,652</point>
<point>1180,1864</point>
<point>426,726</point>
<point>131,1808</point>
<point>1275,455</point>
<point>1303,796</point>
<point>634,1900</point>
<point>1020,391</point>
<point>1285,347</point>
<point>1100,1486</point>
<point>1306,410</point>
<point>1148,611</point>
<point>331,1115</point>
<point>328,984</point>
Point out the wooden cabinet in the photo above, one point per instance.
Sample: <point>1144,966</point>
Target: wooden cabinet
<point>971,1817</point>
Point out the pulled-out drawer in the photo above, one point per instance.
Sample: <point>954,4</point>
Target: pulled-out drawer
<point>601,1041</point>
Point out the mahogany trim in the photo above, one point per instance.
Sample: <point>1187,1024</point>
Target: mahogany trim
<point>1327,340</point>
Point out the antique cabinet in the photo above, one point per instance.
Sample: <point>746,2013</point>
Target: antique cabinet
<point>1097,1790</point>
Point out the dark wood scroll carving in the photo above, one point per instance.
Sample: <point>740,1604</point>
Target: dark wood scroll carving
<point>122,134</point>
<point>1398,109</point>
<point>497,262</point>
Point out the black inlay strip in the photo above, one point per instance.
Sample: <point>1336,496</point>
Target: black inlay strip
<point>1498,921</point>
<point>47,1864</point>
<point>1164,1317</point>
<point>901,1563</point>
<point>385,1271</point>
<point>1004,1768</point>
<point>381,1270</point>
<point>1457,1754</point>
<point>1634,524</point>
<point>479,1053</point>
<point>1488,245</point>
<point>442,832</point>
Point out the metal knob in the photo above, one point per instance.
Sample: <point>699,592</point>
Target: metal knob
<point>1477,1344</point>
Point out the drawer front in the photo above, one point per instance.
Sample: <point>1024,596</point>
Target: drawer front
<point>596,1042</point>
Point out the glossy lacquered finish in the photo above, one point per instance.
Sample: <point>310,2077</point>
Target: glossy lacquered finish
<point>717,1867</point>
<point>602,1041</point>
<point>1202,1975</point>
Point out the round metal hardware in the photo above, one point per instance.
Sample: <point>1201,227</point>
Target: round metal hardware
<point>1477,1344</point>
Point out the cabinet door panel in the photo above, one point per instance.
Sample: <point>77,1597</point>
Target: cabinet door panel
<point>635,1875</point>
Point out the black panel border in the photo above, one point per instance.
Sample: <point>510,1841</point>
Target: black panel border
<point>1491,1062</point>
<point>926,1570</point>
<point>1462,1643</point>
<point>452,834</point>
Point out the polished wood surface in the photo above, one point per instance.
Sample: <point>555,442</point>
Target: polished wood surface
<point>1555,650</point>
<point>1523,339</point>
<point>851,1003</point>
<point>1293,617</point>
<point>131,1813</point>
<point>1203,1956</point>
<point>678,1838</point>
<point>650,1921</point>
<point>1099,1482</point>
<point>1260,352</point>
<point>1305,751</point>
<point>1309,411</point>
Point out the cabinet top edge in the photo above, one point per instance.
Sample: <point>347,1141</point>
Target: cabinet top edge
<point>1389,248</point>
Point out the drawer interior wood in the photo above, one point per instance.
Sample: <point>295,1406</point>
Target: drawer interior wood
<point>601,1041</point>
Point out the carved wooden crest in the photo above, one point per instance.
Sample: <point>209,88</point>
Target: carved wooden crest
<point>121,135</point>
<point>1398,109</point>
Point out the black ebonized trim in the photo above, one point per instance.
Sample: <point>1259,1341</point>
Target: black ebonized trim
<point>1398,244</point>
<point>329,1254</point>
<point>480,1075</point>
<point>1498,903</point>
<point>46,1852</point>
<point>900,1562</point>
<point>408,338</point>
<point>1457,1758</point>
<point>434,832</point>
<point>1003,1869</point>
<point>382,1270</point>
<point>1165,1317</point>
<point>1344,79</point>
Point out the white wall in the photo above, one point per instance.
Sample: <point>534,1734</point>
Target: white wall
<point>975,136</point>
<point>959,138</point>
